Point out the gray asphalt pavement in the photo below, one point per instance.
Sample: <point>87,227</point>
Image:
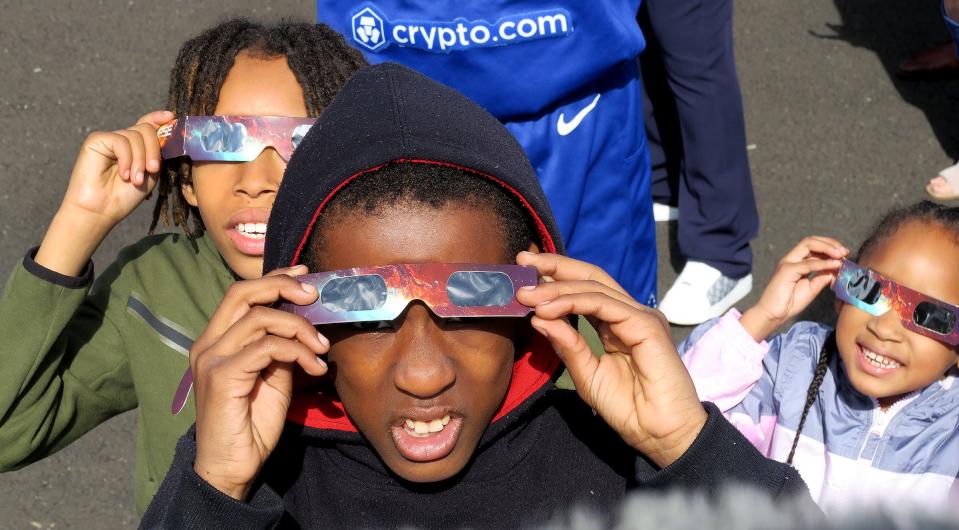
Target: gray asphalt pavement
<point>834,140</point>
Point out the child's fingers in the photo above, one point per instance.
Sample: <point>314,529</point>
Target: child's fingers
<point>151,146</point>
<point>598,306</point>
<point>834,248</point>
<point>155,118</point>
<point>218,370</point>
<point>802,269</point>
<point>243,295</point>
<point>137,160</point>
<point>564,268</point>
<point>569,345</point>
<point>112,146</point>
<point>813,245</point>
<point>297,270</point>
<point>534,295</point>
<point>260,321</point>
<point>820,282</point>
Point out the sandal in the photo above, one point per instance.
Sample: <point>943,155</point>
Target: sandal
<point>946,185</point>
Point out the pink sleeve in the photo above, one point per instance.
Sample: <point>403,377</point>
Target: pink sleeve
<point>726,362</point>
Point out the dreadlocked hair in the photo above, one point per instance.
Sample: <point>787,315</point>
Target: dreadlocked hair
<point>318,56</point>
<point>827,352</point>
<point>431,185</point>
<point>926,212</point>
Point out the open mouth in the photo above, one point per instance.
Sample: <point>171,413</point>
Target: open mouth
<point>247,230</point>
<point>251,230</point>
<point>427,439</point>
<point>876,363</point>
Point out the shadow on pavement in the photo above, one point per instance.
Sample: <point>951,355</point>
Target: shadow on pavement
<point>894,30</point>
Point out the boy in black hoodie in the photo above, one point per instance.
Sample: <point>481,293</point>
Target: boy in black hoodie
<point>427,421</point>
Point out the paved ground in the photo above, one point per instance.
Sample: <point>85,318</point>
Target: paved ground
<point>834,141</point>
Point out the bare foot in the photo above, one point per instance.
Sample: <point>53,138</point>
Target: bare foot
<point>945,185</point>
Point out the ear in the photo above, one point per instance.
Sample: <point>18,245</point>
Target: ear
<point>189,194</point>
<point>534,248</point>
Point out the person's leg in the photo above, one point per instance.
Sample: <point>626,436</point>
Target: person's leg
<point>945,185</point>
<point>660,120</point>
<point>717,210</point>
<point>665,144</point>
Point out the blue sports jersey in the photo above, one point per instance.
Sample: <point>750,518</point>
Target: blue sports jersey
<point>564,79</point>
<point>952,26</point>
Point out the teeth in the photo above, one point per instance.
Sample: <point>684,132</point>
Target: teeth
<point>879,361</point>
<point>425,428</point>
<point>254,230</point>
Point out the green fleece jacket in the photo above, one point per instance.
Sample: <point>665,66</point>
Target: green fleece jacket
<point>77,352</point>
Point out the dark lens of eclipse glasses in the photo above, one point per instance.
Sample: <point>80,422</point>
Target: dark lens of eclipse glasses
<point>479,289</point>
<point>864,288</point>
<point>934,318</point>
<point>354,293</point>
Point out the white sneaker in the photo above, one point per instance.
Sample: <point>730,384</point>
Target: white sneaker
<point>701,293</point>
<point>664,212</point>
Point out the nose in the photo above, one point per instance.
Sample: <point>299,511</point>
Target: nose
<point>887,326</point>
<point>424,369</point>
<point>262,175</point>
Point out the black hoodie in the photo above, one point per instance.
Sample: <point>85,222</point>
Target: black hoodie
<point>544,451</point>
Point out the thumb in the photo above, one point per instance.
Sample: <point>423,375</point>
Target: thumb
<point>279,376</point>
<point>821,281</point>
<point>156,118</point>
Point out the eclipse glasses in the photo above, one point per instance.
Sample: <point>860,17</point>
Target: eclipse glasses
<point>231,138</point>
<point>875,294</point>
<point>450,290</point>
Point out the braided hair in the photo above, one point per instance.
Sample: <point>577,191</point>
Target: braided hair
<point>825,355</point>
<point>318,56</point>
<point>926,212</point>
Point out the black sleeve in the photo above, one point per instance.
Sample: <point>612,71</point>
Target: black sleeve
<point>71,282</point>
<point>187,501</point>
<point>721,455</point>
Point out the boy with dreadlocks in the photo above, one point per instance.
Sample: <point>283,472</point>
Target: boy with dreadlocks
<point>868,411</point>
<point>77,351</point>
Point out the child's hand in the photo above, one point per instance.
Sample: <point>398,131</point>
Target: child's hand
<point>799,277</point>
<point>640,387</point>
<point>243,376</point>
<point>114,172</point>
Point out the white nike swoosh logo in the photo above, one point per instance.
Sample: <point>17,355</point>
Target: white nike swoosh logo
<point>563,127</point>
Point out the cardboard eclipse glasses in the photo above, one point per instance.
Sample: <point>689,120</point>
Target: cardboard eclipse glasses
<point>231,138</point>
<point>875,294</point>
<point>450,290</point>
<point>368,294</point>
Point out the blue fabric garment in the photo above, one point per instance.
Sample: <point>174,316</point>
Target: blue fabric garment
<point>563,77</point>
<point>952,26</point>
<point>689,76</point>
<point>850,451</point>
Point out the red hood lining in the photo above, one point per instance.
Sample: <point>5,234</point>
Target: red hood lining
<point>530,372</point>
